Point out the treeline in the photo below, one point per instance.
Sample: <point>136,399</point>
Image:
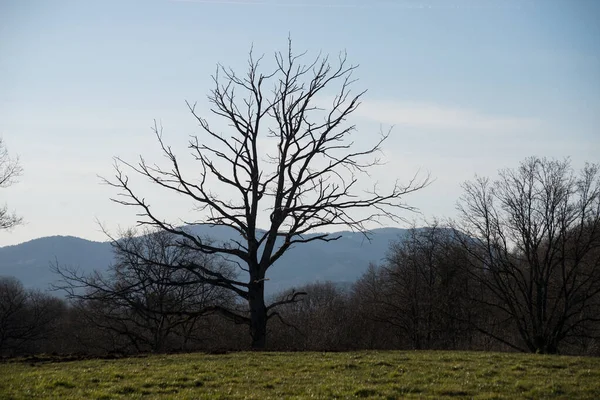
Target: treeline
<point>422,297</point>
<point>519,271</point>
<point>330,317</point>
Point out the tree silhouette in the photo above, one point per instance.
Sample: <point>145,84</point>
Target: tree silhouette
<point>534,239</point>
<point>309,181</point>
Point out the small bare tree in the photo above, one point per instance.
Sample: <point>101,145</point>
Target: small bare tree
<point>26,316</point>
<point>321,321</point>
<point>150,296</point>
<point>534,239</point>
<point>309,180</point>
<point>418,291</point>
<point>10,170</point>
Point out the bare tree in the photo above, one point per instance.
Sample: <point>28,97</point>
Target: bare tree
<point>10,170</point>
<point>26,316</point>
<point>150,297</point>
<point>534,239</point>
<point>370,303</point>
<point>418,291</point>
<point>321,321</point>
<point>310,180</point>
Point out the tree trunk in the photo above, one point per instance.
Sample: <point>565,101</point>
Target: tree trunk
<point>258,314</point>
<point>543,345</point>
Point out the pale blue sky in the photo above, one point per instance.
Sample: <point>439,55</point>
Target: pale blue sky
<point>471,86</point>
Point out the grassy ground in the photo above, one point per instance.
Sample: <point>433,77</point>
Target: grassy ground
<point>383,375</point>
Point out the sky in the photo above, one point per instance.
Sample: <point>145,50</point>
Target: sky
<point>469,86</point>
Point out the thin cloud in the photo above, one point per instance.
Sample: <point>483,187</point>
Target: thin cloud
<point>273,4</point>
<point>361,4</point>
<point>438,117</point>
<point>398,4</point>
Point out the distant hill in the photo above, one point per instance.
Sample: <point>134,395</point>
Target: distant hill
<point>343,260</point>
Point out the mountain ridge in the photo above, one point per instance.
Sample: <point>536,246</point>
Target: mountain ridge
<point>341,260</point>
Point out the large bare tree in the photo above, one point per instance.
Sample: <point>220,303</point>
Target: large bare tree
<point>311,179</point>
<point>10,170</point>
<point>534,239</point>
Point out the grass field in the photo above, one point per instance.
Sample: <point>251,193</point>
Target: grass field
<point>383,375</point>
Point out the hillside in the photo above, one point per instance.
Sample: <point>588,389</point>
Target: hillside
<point>342,260</point>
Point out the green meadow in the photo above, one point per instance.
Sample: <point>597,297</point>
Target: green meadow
<point>266,375</point>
